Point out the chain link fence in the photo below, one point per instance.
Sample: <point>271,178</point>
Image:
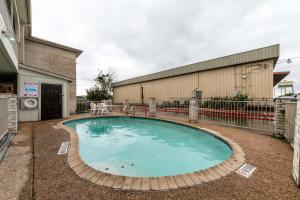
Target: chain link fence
<point>83,105</point>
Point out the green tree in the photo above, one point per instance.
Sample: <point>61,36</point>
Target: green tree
<point>102,90</point>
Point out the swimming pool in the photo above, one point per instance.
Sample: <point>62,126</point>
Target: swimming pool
<point>143,147</point>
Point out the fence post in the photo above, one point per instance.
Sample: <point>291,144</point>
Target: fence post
<point>12,113</point>
<point>193,111</point>
<point>279,118</point>
<point>296,159</point>
<point>152,107</point>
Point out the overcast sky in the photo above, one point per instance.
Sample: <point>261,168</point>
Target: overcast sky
<point>136,37</point>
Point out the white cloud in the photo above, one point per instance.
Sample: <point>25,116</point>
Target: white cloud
<point>135,37</point>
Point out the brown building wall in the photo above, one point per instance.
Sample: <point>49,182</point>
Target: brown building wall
<point>253,79</point>
<point>55,60</point>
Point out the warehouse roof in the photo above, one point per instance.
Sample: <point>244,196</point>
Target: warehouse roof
<point>270,52</point>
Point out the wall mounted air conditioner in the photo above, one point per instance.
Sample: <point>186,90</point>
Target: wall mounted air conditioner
<point>29,103</point>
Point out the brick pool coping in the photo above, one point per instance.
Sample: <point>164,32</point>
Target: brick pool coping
<point>100,178</point>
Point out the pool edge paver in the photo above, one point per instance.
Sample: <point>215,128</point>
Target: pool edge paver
<point>110,181</point>
<point>195,179</point>
<point>146,183</point>
<point>179,181</point>
<point>201,177</point>
<point>188,180</point>
<point>95,178</point>
<point>118,183</point>
<point>103,179</point>
<point>219,171</point>
<point>84,172</point>
<point>127,183</point>
<point>136,183</point>
<point>90,174</point>
<point>171,182</point>
<point>163,183</point>
<point>152,183</point>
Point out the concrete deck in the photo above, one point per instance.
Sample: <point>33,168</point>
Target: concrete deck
<point>16,167</point>
<point>52,177</point>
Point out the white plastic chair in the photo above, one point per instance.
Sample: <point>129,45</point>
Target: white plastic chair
<point>93,108</point>
<point>127,109</point>
<point>131,110</point>
<point>102,108</point>
<point>106,108</point>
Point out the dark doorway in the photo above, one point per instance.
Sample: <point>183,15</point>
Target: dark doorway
<point>51,101</point>
<point>8,84</point>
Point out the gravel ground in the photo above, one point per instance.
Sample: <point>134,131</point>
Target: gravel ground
<point>16,167</point>
<point>53,179</point>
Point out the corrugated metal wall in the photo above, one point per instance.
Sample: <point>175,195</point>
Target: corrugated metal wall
<point>130,92</point>
<point>265,53</point>
<point>254,79</point>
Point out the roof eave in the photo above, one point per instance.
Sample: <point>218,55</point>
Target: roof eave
<point>279,76</point>
<point>50,43</point>
<point>41,71</point>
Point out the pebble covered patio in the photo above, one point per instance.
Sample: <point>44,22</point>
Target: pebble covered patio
<point>48,175</point>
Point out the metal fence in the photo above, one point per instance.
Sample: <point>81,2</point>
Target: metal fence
<point>3,117</point>
<point>257,115</point>
<point>83,105</point>
<point>249,114</point>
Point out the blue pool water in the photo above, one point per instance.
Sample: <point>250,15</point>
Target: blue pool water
<point>146,147</point>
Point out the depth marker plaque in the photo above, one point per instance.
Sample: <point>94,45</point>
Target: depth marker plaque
<point>246,170</point>
<point>63,148</point>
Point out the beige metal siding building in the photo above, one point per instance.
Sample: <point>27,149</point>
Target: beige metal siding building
<point>248,72</point>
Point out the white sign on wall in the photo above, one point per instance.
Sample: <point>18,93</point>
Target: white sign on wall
<point>30,89</point>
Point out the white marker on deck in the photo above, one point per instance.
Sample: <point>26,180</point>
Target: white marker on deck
<point>63,148</point>
<point>246,170</point>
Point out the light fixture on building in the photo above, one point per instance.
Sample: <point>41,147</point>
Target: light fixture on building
<point>7,35</point>
<point>287,60</point>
